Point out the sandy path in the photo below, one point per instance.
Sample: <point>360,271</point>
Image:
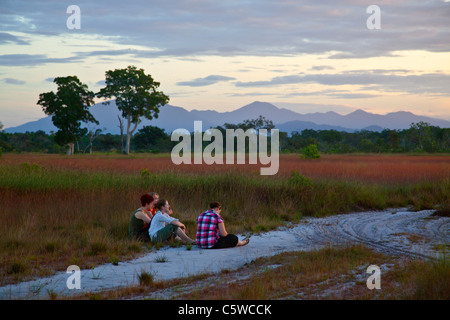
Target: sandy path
<point>395,232</point>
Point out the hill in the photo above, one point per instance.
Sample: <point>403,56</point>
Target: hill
<point>172,118</point>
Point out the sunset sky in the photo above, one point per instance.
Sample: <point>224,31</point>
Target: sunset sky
<point>306,56</point>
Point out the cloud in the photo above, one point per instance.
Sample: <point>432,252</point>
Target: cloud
<point>229,28</point>
<point>431,83</point>
<point>14,81</point>
<point>32,60</point>
<point>337,94</point>
<point>201,82</point>
<point>320,68</point>
<point>6,38</point>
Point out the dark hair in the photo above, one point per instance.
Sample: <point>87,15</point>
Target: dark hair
<point>145,199</point>
<point>160,203</point>
<point>214,205</point>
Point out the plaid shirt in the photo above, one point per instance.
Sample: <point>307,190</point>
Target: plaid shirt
<point>208,229</point>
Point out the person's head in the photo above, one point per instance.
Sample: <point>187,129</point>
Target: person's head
<point>215,206</point>
<point>162,205</point>
<point>146,200</point>
<point>155,196</point>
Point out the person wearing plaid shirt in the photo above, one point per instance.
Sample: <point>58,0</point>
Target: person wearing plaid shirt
<point>211,232</point>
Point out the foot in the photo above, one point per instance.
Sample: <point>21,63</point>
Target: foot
<point>243,242</point>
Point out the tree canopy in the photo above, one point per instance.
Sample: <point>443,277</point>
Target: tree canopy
<point>69,106</point>
<point>136,96</point>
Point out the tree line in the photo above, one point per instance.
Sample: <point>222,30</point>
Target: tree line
<point>419,137</point>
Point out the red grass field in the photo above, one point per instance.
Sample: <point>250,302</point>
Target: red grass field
<point>365,168</point>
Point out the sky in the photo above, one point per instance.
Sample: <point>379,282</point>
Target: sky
<point>306,56</point>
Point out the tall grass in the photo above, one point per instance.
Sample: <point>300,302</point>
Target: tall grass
<point>55,216</point>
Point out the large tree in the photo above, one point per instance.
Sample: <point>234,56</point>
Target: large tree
<point>136,96</point>
<point>69,106</point>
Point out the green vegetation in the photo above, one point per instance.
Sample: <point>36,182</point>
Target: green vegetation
<point>420,137</point>
<point>311,152</point>
<point>69,106</point>
<point>135,95</point>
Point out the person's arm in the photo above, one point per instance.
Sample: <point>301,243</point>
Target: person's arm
<point>222,231</point>
<point>179,224</point>
<point>141,215</point>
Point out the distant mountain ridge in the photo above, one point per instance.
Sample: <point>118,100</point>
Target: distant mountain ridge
<point>172,118</point>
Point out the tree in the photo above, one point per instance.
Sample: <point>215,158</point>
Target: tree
<point>136,96</point>
<point>420,133</point>
<point>69,106</point>
<point>258,123</point>
<point>153,139</point>
<point>92,135</point>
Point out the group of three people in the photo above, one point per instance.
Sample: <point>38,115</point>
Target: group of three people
<point>153,222</point>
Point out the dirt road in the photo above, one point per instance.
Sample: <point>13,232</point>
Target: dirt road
<point>394,232</point>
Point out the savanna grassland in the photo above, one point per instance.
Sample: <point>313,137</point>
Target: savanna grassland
<point>57,210</point>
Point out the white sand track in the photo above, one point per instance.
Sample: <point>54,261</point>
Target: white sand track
<point>394,232</point>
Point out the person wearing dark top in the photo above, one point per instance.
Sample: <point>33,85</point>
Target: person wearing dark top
<point>140,220</point>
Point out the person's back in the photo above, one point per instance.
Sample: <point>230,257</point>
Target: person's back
<point>211,232</point>
<point>207,229</point>
<point>135,226</point>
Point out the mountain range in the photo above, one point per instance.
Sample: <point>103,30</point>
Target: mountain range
<point>172,118</point>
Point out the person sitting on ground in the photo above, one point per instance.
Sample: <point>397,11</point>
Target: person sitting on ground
<point>140,220</point>
<point>156,198</point>
<point>159,231</point>
<point>211,232</point>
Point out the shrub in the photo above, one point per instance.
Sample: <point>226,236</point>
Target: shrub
<point>145,173</point>
<point>299,180</point>
<point>311,152</point>
<point>145,279</point>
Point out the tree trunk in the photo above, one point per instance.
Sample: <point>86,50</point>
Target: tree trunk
<point>90,142</point>
<point>127,151</point>
<point>121,133</point>
<point>71,149</point>
<point>127,147</point>
<point>130,133</point>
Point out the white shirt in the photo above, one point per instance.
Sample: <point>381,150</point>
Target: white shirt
<point>159,221</point>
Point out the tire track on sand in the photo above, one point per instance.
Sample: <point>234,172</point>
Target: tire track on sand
<point>395,232</point>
